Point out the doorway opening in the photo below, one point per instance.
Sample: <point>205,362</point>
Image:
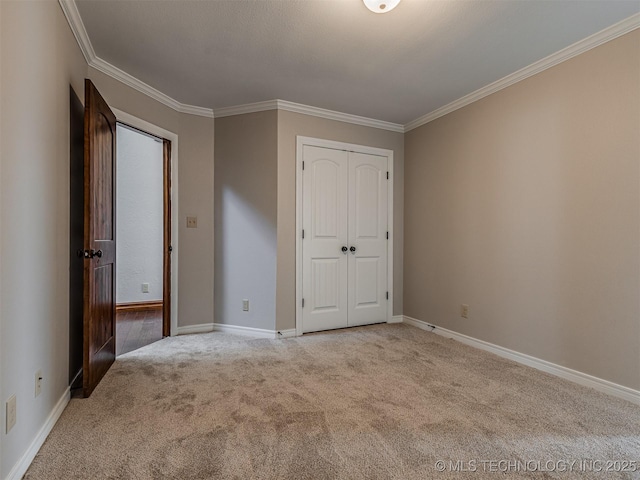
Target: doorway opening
<point>92,233</point>
<point>143,232</point>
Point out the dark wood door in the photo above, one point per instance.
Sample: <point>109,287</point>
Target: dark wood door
<point>99,239</point>
<point>76,236</point>
<point>166,291</point>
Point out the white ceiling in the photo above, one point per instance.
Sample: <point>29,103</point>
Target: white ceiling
<point>336,54</point>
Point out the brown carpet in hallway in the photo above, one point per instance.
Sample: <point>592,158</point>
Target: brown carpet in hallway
<point>378,402</point>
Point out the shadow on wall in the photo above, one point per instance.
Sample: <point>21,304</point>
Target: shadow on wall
<point>246,258</point>
<point>245,219</point>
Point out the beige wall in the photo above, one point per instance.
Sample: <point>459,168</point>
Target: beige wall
<point>39,59</point>
<point>245,219</point>
<point>291,125</point>
<point>195,192</point>
<point>526,206</point>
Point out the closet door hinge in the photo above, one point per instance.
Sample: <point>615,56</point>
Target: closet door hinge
<point>387,175</point>
<point>303,164</point>
<point>303,303</point>
<point>387,235</point>
<point>303,233</point>
<point>387,295</point>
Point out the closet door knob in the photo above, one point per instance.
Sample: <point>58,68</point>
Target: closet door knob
<point>344,249</point>
<point>353,249</point>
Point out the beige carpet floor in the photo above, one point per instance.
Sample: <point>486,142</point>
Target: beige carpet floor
<point>378,402</point>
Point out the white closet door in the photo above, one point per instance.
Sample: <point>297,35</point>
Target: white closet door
<point>367,270</point>
<point>324,268</point>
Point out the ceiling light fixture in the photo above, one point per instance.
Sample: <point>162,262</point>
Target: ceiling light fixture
<point>381,6</point>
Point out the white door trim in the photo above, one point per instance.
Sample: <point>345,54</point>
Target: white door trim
<point>161,132</point>
<point>349,147</point>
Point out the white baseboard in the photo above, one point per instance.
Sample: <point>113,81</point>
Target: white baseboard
<point>418,323</point>
<point>286,333</point>
<point>254,332</point>
<point>396,319</point>
<point>20,468</point>
<point>584,379</point>
<point>191,329</point>
<point>223,327</point>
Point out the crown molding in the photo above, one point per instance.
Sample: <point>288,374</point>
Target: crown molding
<point>72,14</point>
<point>77,27</point>
<point>246,108</point>
<point>307,110</point>
<point>70,11</point>
<point>133,82</point>
<point>339,116</point>
<point>603,36</point>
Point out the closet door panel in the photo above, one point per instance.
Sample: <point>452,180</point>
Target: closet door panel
<point>367,270</point>
<point>324,268</point>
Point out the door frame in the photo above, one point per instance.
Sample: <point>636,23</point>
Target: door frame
<point>301,141</point>
<point>145,126</point>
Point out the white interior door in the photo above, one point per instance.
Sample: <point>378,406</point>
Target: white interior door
<point>344,249</point>
<point>324,267</point>
<point>367,227</point>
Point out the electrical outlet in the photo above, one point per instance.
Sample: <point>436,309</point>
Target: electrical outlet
<point>11,413</point>
<point>464,311</point>
<point>38,384</point>
<point>192,222</point>
<point>245,305</point>
<point>145,288</point>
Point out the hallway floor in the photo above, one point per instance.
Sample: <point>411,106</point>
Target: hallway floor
<point>135,329</point>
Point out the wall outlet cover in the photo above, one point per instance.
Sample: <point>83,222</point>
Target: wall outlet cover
<point>192,222</point>
<point>145,288</point>
<point>11,413</point>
